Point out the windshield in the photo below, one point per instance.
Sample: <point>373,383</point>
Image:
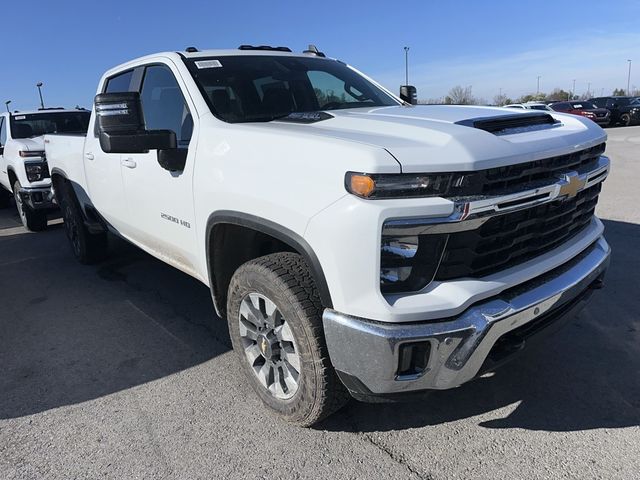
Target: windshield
<point>36,124</point>
<point>247,88</point>
<point>539,107</point>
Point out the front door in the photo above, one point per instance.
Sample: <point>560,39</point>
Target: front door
<point>160,202</point>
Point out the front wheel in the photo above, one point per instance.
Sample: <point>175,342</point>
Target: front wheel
<point>274,315</point>
<point>625,119</point>
<point>33,220</point>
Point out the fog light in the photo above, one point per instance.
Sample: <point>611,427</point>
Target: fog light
<point>413,360</point>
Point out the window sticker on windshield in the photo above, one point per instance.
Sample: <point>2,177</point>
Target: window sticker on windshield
<point>208,64</point>
<point>19,117</point>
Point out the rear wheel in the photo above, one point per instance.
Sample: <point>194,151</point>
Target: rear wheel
<point>33,220</point>
<point>87,247</point>
<point>625,119</point>
<point>274,315</point>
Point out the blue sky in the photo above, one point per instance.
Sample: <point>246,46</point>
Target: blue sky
<point>489,45</point>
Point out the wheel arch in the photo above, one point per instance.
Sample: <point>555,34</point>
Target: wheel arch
<point>289,239</point>
<point>13,176</point>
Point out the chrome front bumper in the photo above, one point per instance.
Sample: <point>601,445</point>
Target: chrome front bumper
<point>40,198</point>
<point>366,353</point>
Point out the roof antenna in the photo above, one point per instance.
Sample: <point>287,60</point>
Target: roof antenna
<point>314,51</point>
<point>191,50</point>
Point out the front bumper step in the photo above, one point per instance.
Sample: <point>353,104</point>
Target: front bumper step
<point>367,354</point>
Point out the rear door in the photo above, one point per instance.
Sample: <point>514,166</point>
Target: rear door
<point>103,172</point>
<point>4,177</point>
<point>160,202</point>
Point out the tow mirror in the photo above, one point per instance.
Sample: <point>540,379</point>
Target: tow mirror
<point>409,94</point>
<point>121,127</point>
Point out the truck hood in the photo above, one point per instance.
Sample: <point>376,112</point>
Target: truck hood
<point>30,144</point>
<point>443,138</point>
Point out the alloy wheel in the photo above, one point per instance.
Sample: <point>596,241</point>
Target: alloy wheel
<point>269,346</point>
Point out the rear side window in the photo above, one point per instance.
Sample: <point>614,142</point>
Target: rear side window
<point>119,83</point>
<point>600,102</point>
<point>163,104</point>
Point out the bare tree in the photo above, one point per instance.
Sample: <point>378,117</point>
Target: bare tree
<point>501,100</point>
<point>431,101</point>
<point>460,96</point>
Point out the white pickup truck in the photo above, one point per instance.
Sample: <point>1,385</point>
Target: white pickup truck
<point>23,167</point>
<point>355,244</point>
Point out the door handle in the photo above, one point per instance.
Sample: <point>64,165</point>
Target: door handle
<point>128,162</point>
<point>89,156</point>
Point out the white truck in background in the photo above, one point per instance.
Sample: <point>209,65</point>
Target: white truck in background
<point>355,244</point>
<point>24,173</point>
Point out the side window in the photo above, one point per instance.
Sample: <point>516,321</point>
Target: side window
<point>119,83</point>
<point>600,102</point>
<point>163,104</point>
<point>3,132</point>
<point>610,103</point>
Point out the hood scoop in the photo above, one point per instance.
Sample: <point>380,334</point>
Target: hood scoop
<point>510,124</point>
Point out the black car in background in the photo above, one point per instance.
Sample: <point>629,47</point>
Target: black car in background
<point>624,110</point>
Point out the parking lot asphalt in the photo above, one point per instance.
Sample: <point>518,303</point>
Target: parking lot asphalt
<point>121,370</point>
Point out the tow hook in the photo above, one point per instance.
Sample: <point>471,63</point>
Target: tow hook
<point>597,284</point>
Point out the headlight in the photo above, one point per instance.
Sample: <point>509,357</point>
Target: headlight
<point>409,263</point>
<point>381,185</point>
<point>36,171</point>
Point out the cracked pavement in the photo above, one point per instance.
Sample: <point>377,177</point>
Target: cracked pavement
<point>121,370</point>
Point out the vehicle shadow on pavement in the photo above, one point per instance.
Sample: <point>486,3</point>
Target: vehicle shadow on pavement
<point>585,377</point>
<point>71,333</point>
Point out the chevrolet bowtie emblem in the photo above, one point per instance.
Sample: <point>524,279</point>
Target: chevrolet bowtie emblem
<point>263,345</point>
<point>573,186</point>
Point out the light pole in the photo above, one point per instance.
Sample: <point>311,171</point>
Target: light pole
<point>39,85</point>
<point>589,89</point>
<point>6,104</point>
<point>629,78</point>
<point>538,85</point>
<point>573,92</point>
<point>406,65</point>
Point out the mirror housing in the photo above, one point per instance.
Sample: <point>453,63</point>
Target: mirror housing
<point>173,159</point>
<point>121,128</point>
<point>409,94</point>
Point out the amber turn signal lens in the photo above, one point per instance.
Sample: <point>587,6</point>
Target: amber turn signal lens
<point>362,185</point>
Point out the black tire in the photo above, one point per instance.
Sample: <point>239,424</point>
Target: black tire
<point>285,279</point>
<point>87,247</point>
<point>625,119</point>
<point>5,198</point>
<point>33,220</point>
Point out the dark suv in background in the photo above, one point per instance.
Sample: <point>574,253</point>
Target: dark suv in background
<point>587,109</point>
<point>624,110</point>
